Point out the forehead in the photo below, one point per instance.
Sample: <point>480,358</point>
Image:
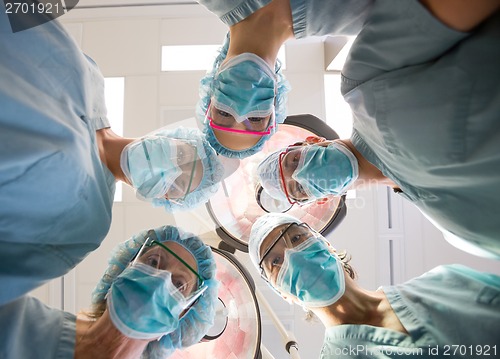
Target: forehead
<point>182,252</point>
<point>271,237</point>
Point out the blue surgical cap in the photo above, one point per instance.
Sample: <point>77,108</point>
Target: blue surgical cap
<point>213,170</point>
<point>200,317</point>
<point>268,172</point>
<point>206,90</point>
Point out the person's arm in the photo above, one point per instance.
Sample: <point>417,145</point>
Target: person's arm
<point>461,15</point>
<point>30,329</point>
<point>398,34</point>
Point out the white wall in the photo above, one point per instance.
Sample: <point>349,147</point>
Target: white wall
<point>128,43</point>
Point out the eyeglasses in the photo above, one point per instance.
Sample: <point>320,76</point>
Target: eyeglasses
<point>160,258</point>
<point>291,237</point>
<point>298,187</point>
<point>176,187</point>
<point>176,192</point>
<point>253,125</point>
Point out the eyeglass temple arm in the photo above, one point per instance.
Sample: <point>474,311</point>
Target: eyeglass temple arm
<point>154,238</point>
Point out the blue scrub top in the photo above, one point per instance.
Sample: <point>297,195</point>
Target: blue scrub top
<point>449,312</point>
<point>426,112</point>
<point>55,193</point>
<point>31,330</point>
<point>310,17</point>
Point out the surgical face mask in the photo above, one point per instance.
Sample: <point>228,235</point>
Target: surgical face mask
<point>244,87</point>
<point>323,171</point>
<point>312,274</point>
<point>144,303</point>
<point>156,166</point>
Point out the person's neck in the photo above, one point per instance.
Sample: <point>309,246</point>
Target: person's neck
<point>359,306</point>
<point>110,148</point>
<point>263,32</point>
<point>368,174</point>
<point>100,339</point>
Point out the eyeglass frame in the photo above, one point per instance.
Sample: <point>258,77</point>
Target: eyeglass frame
<point>178,201</point>
<point>282,176</point>
<point>269,249</point>
<point>245,132</point>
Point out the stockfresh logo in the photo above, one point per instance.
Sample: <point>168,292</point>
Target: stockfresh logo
<point>25,14</point>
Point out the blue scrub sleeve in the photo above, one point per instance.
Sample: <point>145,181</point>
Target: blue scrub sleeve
<point>397,34</point>
<point>30,329</point>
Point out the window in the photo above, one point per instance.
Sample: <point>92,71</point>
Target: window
<point>338,62</point>
<point>114,92</point>
<point>338,112</point>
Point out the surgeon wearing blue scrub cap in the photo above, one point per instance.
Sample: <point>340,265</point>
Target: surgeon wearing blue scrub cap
<point>242,101</point>
<point>243,97</point>
<point>392,321</point>
<point>310,170</point>
<point>176,168</point>
<point>159,292</point>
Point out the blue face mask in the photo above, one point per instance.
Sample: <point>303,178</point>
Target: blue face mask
<point>144,304</point>
<point>150,165</point>
<point>324,171</point>
<point>244,87</point>
<point>312,273</point>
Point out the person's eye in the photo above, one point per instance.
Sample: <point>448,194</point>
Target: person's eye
<point>223,113</point>
<point>275,263</point>
<point>255,119</point>
<point>291,160</point>
<point>296,238</point>
<point>180,284</point>
<point>153,260</point>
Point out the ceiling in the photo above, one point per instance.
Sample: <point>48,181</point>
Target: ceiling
<point>94,9</point>
<point>129,3</point>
